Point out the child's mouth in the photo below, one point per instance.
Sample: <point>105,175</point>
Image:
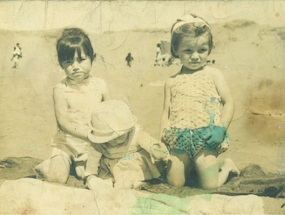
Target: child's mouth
<point>78,74</point>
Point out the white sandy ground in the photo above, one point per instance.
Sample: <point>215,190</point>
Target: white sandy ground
<point>251,58</point>
<point>30,196</point>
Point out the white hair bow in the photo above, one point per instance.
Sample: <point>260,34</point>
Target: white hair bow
<point>189,19</point>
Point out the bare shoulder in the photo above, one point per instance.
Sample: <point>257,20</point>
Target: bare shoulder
<point>215,73</point>
<point>59,88</point>
<point>170,80</point>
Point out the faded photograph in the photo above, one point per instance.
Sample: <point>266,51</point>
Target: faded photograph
<point>142,107</point>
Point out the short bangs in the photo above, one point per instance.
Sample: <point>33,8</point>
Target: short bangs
<point>66,48</point>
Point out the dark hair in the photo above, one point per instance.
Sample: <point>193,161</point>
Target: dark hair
<point>190,29</point>
<point>73,40</point>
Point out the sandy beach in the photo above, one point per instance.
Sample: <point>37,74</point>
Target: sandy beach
<point>249,55</point>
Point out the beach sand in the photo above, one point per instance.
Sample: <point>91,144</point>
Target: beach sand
<point>249,55</point>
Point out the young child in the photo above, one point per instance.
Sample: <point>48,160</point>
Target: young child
<point>74,99</point>
<point>127,150</point>
<point>193,125</point>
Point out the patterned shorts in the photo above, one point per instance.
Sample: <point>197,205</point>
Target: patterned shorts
<point>190,141</point>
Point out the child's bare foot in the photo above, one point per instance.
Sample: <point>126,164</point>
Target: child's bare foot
<point>232,167</point>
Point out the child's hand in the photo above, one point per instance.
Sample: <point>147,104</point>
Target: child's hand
<point>217,137</point>
<point>158,151</point>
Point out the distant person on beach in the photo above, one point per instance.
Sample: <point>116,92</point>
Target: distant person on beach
<point>198,109</point>
<point>74,99</point>
<point>129,59</point>
<point>158,56</point>
<point>16,55</point>
<point>128,152</point>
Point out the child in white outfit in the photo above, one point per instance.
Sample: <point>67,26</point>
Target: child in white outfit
<point>127,150</point>
<point>198,109</point>
<point>74,99</point>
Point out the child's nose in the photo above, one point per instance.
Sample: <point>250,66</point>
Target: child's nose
<point>75,64</point>
<point>195,56</point>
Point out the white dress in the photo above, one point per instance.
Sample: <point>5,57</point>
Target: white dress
<point>80,104</point>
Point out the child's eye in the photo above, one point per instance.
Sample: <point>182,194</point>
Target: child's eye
<point>203,50</point>
<point>188,51</point>
<point>80,59</point>
<point>67,62</point>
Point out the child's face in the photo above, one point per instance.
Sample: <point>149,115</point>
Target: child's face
<point>79,68</point>
<point>119,140</point>
<point>193,52</point>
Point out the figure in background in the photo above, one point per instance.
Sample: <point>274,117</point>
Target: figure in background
<point>198,109</point>
<point>158,56</point>
<point>16,55</point>
<point>129,59</point>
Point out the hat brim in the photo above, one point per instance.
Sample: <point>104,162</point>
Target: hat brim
<point>99,136</point>
<point>105,138</point>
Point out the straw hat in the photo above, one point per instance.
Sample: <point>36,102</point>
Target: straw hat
<point>109,120</point>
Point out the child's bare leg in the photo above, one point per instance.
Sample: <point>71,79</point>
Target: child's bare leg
<point>178,169</point>
<point>225,169</point>
<point>55,169</point>
<point>42,168</point>
<point>59,169</point>
<point>80,169</point>
<point>213,174</point>
<point>207,169</point>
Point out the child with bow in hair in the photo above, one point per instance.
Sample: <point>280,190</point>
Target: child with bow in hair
<point>198,108</point>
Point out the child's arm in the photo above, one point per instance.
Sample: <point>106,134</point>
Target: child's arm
<point>166,104</point>
<point>219,132</point>
<point>106,94</point>
<point>225,94</point>
<point>155,148</point>
<point>64,121</point>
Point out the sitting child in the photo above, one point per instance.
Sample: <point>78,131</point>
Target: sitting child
<point>128,152</point>
<point>74,98</point>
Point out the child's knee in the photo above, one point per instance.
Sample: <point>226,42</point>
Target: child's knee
<point>209,185</point>
<point>205,159</point>
<point>176,173</point>
<point>176,181</point>
<point>80,171</point>
<point>43,168</point>
<point>57,177</point>
<point>59,169</point>
<point>208,176</point>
